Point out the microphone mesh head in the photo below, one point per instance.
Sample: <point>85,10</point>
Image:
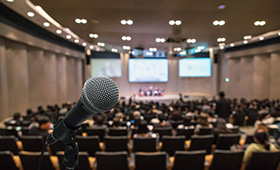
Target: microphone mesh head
<point>100,94</point>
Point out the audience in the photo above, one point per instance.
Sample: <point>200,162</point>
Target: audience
<point>43,129</point>
<point>202,122</point>
<point>220,128</point>
<point>143,131</point>
<point>100,123</point>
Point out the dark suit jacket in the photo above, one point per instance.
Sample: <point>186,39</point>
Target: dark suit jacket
<point>223,109</point>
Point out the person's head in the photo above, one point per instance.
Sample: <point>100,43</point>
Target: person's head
<point>187,120</point>
<point>161,117</point>
<point>238,107</point>
<point>16,116</point>
<point>100,120</point>
<point>29,112</point>
<point>222,94</point>
<point>44,122</point>
<point>142,128</point>
<point>203,119</point>
<point>119,115</point>
<point>136,115</point>
<point>116,122</point>
<point>261,137</point>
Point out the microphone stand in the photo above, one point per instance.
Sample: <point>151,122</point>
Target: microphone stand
<point>68,137</point>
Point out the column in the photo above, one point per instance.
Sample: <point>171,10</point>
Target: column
<point>232,87</point>
<point>246,77</point>
<point>274,91</point>
<point>51,80</point>
<point>61,79</point>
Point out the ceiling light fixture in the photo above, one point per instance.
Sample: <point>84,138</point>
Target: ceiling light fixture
<point>126,38</point>
<point>68,37</point>
<point>222,6</point>
<point>126,22</point>
<point>191,41</point>
<point>91,35</point>
<point>46,24</point>
<point>101,44</point>
<point>221,39</point>
<point>171,22</point>
<point>78,21</point>
<point>126,47</point>
<point>247,37</point>
<point>76,41</point>
<point>123,22</point>
<point>91,47</point>
<point>245,42</point>
<point>279,33</point>
<point>83,21</point>
<point>30,14</point>
<point>153,49</point>
<point>232,44</point>
<point>219,23</point>
<point>10,0</point>
<point>84,44</point>
<point>259,23</point>
<point>178,22</point>
<point>114,50</point>
<point>160,40</point>
<point>261,38</point>
<point>58,31</point>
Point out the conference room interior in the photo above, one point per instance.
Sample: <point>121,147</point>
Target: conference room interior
<point>198,83</point>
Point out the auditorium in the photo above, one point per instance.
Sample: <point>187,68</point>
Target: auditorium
<point>139,85</point>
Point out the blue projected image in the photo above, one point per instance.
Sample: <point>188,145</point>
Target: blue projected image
<point>195,67</point>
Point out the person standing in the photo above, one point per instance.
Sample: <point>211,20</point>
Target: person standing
<point>223,109</point>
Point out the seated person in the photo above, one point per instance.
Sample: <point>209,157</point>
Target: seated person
<point>162,122</point>
<point>100,123</point>
<point>261,144</point>
<point>143,131</point>
<point>220,128</point>
<point>202,122</point>
<point>43,129</point>
<point>16,121</point>
<point>186,122</point>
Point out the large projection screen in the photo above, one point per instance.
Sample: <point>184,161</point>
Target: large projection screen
<point>148,70</point>
<point>195,67</point>
<point>108,67</point>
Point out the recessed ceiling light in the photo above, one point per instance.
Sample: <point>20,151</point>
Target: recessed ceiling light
<point>58,31</point>
<point>222,47</point>
<point>84,44</point>
<point>160,40</point>
<point>279,33</point>
<point>178,22</point>
<point>125,47</point>
<point>261,38</point>
<point>221,39</point>
<point>222,44</point>
<point>216,22</point>
<point>76,41</point>
<point>259,23</point>
<point>124,38</point>
<point>101,44</point>
<point>222,22</point>
<point>83,21</point>
<point>222,6</point>
<point>46,24</point>
<point>68,36</point>
<point>171,22</point>
<point>247,37</point>
<point>114,50</point>
<point>123,22</point>
<point>10,0</point>
<point>30,14</point>
<point>232,44</point>
<point>129,22</point>
<point>93,35</point>
<point>245,41</point>
<point>128,38</point>
<point>191,40</point>
<point>227,80</point>
<point>152,49</point>
<point>91,47</point>
<point>78,21</point>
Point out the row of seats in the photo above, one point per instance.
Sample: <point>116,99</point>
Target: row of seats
<point>91,144</point>
<point>183,160</point>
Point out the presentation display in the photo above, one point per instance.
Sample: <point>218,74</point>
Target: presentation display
<point>107,67</point>
<point>195,67</point>
<point>148,70</point>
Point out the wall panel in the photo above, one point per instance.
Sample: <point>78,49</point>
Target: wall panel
<point>274,90</point>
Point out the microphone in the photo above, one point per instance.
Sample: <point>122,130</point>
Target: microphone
<point>100,94</point>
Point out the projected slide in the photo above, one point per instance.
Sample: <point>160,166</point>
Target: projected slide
<point>195,67</point>
<point>148,70</point>
<point>108,67</point>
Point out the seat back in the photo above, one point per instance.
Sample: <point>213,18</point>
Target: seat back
<point>32,143</point>
<point>144,144</point>
<point>170,144</point>
<point>88,144</point>
<point>150,161</point>
<point>205,131</point>
<point>203,142</point>
<point>25,131</point>
<point>230,160</point>
<point>186,132</point>
<point>7,161</point>
<point>239,119</point>
<point>185,160</point>
<point>249,139</point>
<point>115,143</point>
<point>8,143</point>
<point>252,117</point>
<point>58,146</point>
<point>96,131</point>
<point>225,141</point>
<point>264,161</point>
<point>117,132</point>
<point>235,129</point>
<point>175,123</point>
<point>163,131</point>
<point>111,160</point>
<point>9,132</point>
<point>83,163</point>
<point>29,160</point>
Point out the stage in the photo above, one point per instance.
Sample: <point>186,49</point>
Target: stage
<point>167,98</point>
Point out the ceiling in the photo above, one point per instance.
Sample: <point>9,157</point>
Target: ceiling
<point>151,19</point>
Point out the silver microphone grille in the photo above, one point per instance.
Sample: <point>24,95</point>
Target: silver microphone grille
<point>100,94</point>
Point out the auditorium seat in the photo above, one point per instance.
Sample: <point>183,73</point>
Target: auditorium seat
<point>83,163</point>
<point>144,144</point>
<point>235,129</point>
<point>30,161</point>
<point>203,142</point>
<point>58,146</point>
<point>225,141</point>
<point>100,132</point>
<point>175,123</point>
<point>239,120</point>
<point>117,132</point>
<point>32,143</point>
<point>88,144</point>
<point>9,131</point>
<point>186,132</point>
<point>229,160</point>
<point>264,161</point>
<point>7,161</point>
<point>252,117</point>
<point>116,143</point>
<point>170,144</point>
<point>205,131</point>
<point>25,131</point>
<point>111,161</point>
<point>84,126</point>
<point>167,131</point>
<point>8,143</point>
<point>185,160</point>
<point>249,139</point>
<point>150,161</point>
